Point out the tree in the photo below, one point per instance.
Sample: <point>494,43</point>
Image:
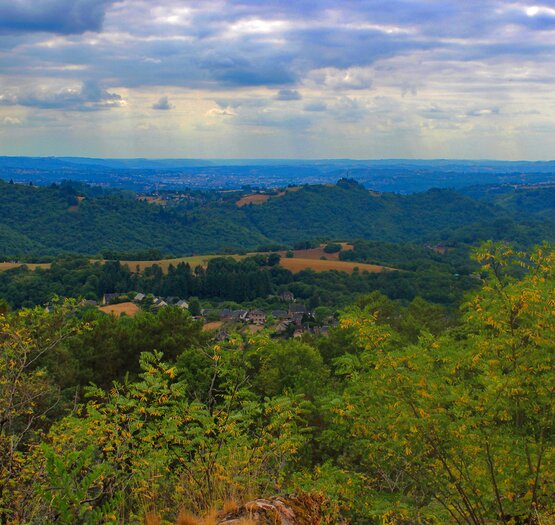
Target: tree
<point>332,247</point>
<point>458,428</point>
<point>27,395</point>
<point>273,259</point>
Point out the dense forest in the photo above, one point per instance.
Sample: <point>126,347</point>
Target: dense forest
<point>398,416</point>
<point>76,218</point>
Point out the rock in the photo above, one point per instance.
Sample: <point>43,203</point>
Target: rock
<point>303,509</point>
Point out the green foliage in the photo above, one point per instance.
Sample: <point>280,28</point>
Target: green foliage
<point>403,414</point>
<point>174,452</point>
<point>458,428</point>
<point>332,247</point>
<point>50,220</point>
<point>28,397</point>
<point>74,487</point>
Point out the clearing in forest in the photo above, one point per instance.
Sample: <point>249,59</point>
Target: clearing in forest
<point>129,309</point>
<point>296,265</point>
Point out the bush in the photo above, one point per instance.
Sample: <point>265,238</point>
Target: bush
<point>332,247</point>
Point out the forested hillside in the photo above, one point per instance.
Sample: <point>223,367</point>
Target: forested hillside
<point>50,220</point>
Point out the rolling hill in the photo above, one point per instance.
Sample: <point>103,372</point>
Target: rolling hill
<point>50,220</point>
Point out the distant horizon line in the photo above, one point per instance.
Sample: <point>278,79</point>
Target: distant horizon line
<point>295,159</point>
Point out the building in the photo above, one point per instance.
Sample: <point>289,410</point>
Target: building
<point>233,315</point>
<point>225,314</point>
<point>109,298</point>
<point>257,317</point>
<point>158,302</point>
<point>287,296</point>
<point>239,315</point>
<point>182,304</point>
<point>297,309</point>
<point>139,297</point>
<point>279,314</point>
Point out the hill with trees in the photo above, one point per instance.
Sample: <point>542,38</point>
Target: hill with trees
<point>75,218</point>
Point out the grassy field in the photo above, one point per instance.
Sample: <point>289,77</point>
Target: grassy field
<point>261,198</point>
<point>257,198</point>
<point>318,253</point>
<point>129,309</point>
<point>297,264</point>
<point>302,260</point>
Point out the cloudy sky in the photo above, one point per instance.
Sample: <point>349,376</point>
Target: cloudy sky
<point>278,78</point>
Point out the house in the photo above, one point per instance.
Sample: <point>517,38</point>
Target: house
<point>282,327</point>
<point>287,296</point>
<point>257,317</point>
<point>109,298</point>
<point>139,297</point>
<point>239,315</point>
<point>233,315</point>
<point>182,304</point>
<point>158,302</point>
<point>226,314</point>
<point>279,314</point>
<point>297,309</point>
<point>88,302</point>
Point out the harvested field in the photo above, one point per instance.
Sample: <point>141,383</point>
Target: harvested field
<point>296,265</point>
<point>129,309</point>
<point>214,325</point>
<point>316,253</point>
<point>261,198</point>
<point>10,266</point>
<point>257,198</point>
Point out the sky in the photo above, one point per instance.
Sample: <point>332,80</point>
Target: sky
<point>465,79</point>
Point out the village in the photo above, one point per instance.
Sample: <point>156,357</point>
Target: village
<point>293,319</point>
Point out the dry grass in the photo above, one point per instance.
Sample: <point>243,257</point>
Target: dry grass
<point>214,325</point>
<point>230,505</point>
<point>210,518</point>
<point>296,265</point>
<point>261,198</point>
<point>10,266</point>
<point>317,253</point>
<point>186,518</point>
<point>129,309</point>
<point>257,198</point>
<point>152,518</point>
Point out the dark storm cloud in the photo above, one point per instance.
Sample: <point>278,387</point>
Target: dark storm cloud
<point>271,43</point>
<point>52,16</point>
